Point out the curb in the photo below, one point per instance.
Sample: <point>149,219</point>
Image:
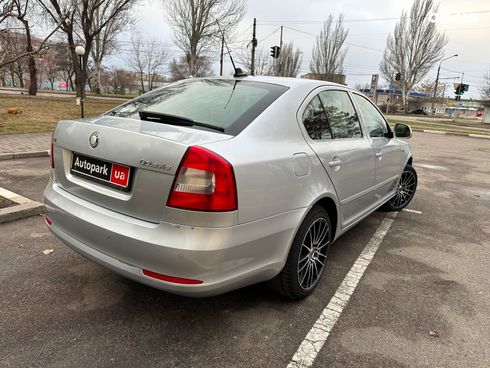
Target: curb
<point>24,208</point>
<point>18,155</point>
<point>471,135</point>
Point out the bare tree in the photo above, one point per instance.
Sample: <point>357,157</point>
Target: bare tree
<point>64,64</point>
<point>6,56</point>
<point>360,86</point>
<point>263,61</point>
<point>195,27</point>
<point>328,53</point>
<point>485,91</point>
<point>180,69</point>
<point>147,59</point>
<point>121,80</point>
<point>413,48</point>
<point>6,7</point>
<point>78,19</point>
<point>136,59</point>
<point>105,41</point>
<point>12,44</point>
<point>427,86</point>
<point>288,64</point>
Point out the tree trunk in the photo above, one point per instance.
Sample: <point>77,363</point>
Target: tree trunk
<point>98,68</point>
<point>70,79</point>
<point>12,76</point>
<point>404,98</point>
<point>31,64</point>
<point>76,64</point>
<point>21,79</point>
<point>142,83</point>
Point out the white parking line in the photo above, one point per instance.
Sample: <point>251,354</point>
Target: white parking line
<point>318,334</point>
<point>412,211</point>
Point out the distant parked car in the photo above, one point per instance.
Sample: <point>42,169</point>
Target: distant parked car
<point>207,185</point>
<point>419,112</point>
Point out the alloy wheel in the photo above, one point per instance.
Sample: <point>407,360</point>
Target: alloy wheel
<point>405,190</point>
<point>313,253</point>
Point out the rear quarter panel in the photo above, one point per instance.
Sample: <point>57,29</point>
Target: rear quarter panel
<point>269,180</point>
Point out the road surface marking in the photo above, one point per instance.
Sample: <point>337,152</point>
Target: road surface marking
<point>433,167</point>
<point>434,131</point>
<point>479,136</point>
<point>412,211</point>
<point>318,334</point>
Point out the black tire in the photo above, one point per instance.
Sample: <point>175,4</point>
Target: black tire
<point>405,191</point>
<point>288,282</point>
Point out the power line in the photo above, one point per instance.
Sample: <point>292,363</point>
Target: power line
<point>358,20</point>
<point>271,34</point>
<point>347,43</point>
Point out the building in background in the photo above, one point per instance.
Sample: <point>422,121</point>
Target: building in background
<point>390,101</point>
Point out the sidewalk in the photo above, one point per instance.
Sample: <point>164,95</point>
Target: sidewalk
<point>24,145</point>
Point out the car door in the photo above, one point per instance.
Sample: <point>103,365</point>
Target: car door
<point>387,151</point>
<point>334,133</point>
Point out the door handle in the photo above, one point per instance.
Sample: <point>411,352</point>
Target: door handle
<point>334,163</point>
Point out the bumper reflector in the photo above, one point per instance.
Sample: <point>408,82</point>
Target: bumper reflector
<point>48,220</point>
<point>175,280</point>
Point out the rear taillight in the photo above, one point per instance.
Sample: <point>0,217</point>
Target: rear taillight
<point>51,152</point>
<point>205,181</point>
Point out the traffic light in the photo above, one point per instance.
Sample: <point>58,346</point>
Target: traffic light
<point>461,88</point>
<point>398,76</point>
<point>275,50</point>
<point>458,90</point>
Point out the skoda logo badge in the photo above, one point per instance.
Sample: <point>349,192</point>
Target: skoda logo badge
<point>94,139</point>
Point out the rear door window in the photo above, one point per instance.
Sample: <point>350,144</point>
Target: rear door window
<point>315,120</point>
<point>341,114</point>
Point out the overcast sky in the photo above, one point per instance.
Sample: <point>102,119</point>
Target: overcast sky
<point>469,34</point>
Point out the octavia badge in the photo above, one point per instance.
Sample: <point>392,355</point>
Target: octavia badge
<point>94,139</point>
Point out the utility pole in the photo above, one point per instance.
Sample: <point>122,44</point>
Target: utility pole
<point>435,90</point>
<point>277,60</point>
<point>280,41</point>
<point>437,82</point>
<point>254,45</point>
<point>221,56</point>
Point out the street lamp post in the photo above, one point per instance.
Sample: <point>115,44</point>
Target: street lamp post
<point>437,81</point>
<point>80,51</point>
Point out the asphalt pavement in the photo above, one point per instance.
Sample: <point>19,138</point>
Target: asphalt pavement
<point>430,275</point>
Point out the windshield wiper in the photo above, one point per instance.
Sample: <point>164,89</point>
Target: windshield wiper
<point>170,119</point>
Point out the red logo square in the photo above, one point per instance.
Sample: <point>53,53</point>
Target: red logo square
<point>120,175</point>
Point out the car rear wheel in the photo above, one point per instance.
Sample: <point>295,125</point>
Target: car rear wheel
<point>307,256</point>
<point>404,192</point>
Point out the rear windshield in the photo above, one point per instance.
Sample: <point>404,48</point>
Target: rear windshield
<point>227,104</point>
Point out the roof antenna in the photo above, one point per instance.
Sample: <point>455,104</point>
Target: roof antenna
<point>238,71</point>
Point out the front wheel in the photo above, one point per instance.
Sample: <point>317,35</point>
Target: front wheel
<point>404,191</point>
<point>307,256</point>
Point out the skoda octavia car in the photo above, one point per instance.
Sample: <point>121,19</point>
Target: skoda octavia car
<point>208,185</point>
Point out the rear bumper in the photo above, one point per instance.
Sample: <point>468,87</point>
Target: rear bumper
<point>224,258</point>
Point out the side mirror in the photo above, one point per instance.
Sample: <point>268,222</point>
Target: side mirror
<point>403,131</point>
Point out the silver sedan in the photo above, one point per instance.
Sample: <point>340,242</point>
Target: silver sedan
<point>208,185</point>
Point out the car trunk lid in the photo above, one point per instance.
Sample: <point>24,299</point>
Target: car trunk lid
<point>152,152</point>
